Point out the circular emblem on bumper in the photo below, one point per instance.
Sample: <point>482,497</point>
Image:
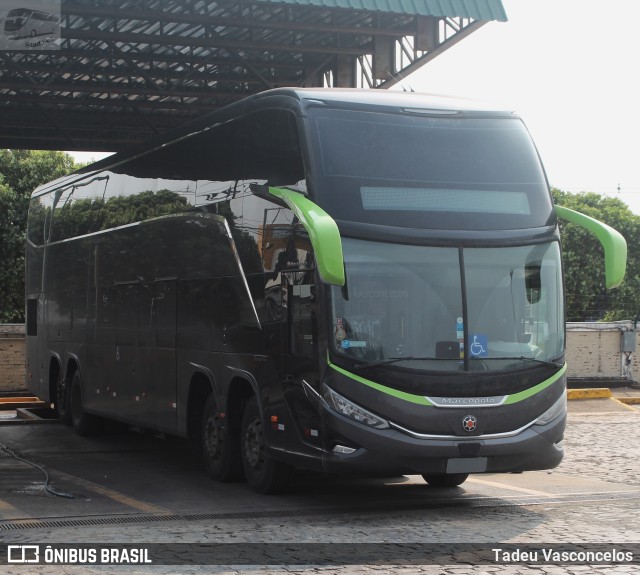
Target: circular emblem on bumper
<point>469,423</point>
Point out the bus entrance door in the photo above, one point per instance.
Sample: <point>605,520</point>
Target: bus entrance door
<point>301,359</point>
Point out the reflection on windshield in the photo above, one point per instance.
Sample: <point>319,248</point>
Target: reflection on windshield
<point>405,307</point>
<point>428,172</point>
<point>514,299</point>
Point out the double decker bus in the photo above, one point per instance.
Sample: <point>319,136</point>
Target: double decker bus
<point>345,281</point>
<point>24,22</point>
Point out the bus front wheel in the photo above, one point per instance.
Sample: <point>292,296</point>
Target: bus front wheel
<point>220,446</point>
<point>264,474</point>
<point>450,480</point>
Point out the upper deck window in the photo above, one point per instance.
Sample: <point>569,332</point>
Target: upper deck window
<point>442,172</point>
<point>444,200</point>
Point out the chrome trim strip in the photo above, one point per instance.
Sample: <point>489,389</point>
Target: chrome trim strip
<point>234,249</point>
<point>312,394</point>
<point>98,233</point>
<point>466,402</point>
<point>461,437</point>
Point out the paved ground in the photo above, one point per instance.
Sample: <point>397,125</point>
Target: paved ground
<point>148,491</point>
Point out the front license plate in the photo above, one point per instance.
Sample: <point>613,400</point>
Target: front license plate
<point>467,465</point>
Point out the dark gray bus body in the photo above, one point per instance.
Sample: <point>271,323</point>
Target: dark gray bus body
<point>169,276</point>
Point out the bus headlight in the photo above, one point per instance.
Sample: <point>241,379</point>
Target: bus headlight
<point>345,407</point>
<point>556,410</point>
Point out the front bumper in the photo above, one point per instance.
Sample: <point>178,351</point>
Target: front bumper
<point>390,451</point>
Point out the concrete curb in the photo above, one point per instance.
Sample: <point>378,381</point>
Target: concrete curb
<point>629,400</point>
<point>592,393</point>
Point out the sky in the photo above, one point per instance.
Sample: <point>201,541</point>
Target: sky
<point>570,69</point>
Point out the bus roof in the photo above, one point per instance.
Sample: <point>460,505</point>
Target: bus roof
<point>387,98</point>
<point>344,97</point>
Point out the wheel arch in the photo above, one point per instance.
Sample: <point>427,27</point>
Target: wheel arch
<point>73,365</point>
<point>239,389</point>
<point>243,385</point>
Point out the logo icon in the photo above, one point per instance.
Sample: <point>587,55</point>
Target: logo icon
<point>469,423</point>
<point>23,554</point>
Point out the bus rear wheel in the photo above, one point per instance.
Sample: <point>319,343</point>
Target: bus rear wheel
<point>264,474</point>
<point>82,422</point>
<point>450,480</point>
<point>220,446</point>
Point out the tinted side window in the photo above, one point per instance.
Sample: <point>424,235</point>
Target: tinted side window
<point>271,151</point>
<point>199,171</point>
<point>32,317</point>
<point>39,217</point>
<point>77,209</point>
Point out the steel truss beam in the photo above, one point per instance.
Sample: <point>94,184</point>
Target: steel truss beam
<point>128,69</point>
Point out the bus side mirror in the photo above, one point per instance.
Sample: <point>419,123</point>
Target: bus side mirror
<point>323,233</point>
<point>614,244</point>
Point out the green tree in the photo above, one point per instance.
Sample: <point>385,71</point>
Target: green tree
<point>587,297</point>
<point>21,172</point>
<point>11,256</point>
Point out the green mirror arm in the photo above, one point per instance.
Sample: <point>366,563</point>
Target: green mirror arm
<point>614,244</point>
<point>323,233</point>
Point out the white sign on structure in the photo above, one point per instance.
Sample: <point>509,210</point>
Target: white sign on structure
<point>30,24</point>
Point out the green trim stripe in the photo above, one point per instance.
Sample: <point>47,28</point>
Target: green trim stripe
<point>323,233</point>
<point>421,400</point>
<point>527,393</point>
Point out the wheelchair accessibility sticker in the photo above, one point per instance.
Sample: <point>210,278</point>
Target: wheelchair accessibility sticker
<point>479,346</point>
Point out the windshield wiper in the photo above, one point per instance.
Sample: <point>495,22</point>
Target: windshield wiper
<point>390,360</point>
<point>529,359</point>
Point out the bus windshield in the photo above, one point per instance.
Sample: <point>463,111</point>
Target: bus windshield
<point>426,172</point>
<point>405,306</point>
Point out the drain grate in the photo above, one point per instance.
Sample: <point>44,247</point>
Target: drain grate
<point>315,511</point>
<point>123,520</point>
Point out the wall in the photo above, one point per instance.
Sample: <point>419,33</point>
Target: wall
<point>12,357</point>
<point>594,351</point>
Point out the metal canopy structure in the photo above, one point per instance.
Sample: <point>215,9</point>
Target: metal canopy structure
<point>122,71</point>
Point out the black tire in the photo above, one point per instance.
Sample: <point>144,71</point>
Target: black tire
<point>82,422</point>
<point>220,446</point>
<point>450,480</point>
<point>63,399</point>
<point>264,474</point>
